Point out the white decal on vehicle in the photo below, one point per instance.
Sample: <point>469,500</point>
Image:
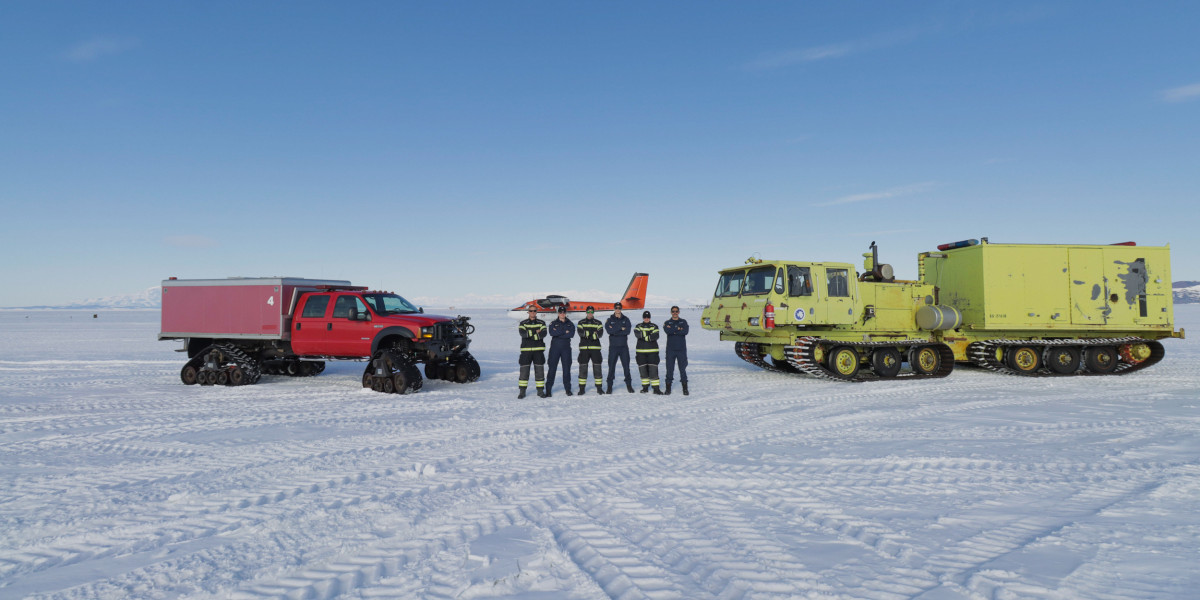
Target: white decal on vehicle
<point>800,314</point>
<point>271,301</point>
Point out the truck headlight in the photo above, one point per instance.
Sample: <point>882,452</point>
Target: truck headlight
<point>427,332</point>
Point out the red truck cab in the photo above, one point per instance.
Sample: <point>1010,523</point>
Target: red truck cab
<point>355,324</point>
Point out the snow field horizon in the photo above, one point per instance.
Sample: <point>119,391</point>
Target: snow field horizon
<point>118,481</point>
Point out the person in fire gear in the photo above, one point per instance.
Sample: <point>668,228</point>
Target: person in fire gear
<point>646,333</point>
<point>533,352</point>
<point>562,330</point>
<point>590,330</point>
<point>618,327</point>
<point>676,330</point>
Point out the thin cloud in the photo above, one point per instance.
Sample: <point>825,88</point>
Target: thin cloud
<point>97,48</point>
<point>1182,93</point>
<point>787,58</point>
<point>190,241</point>
<point>896,192</point>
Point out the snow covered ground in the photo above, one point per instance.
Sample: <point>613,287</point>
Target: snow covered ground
<point>117,481</point>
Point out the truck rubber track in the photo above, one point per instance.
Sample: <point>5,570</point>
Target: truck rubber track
<point>984,354</point>
<point>221,364</point>
<point>399,373</point>
<point>753,354</point>
<point>460,368</point>
<point>803,357</point>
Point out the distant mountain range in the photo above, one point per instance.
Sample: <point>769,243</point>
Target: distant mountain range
<point>1186,292</point>
<point>148,298</point>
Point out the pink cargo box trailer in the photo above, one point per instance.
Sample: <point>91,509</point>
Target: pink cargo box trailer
<point>251,308</point>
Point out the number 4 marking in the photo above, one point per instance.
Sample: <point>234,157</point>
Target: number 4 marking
<point>271,301</point>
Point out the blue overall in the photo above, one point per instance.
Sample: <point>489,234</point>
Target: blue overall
<point>618,330</point>
<point>561,332</point>
<point>676,329</point>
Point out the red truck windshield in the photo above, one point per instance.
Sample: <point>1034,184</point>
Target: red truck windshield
<point>386,304</point>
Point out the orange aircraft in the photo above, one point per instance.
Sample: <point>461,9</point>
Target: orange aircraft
<point>635,297</point>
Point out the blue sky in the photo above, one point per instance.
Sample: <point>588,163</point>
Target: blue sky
<point>511,148</point>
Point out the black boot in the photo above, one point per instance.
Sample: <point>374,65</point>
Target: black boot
<point>629,386</point>
<point>546,393</point>
<point>600,390</point>
<point>668,390</point>
<point>657,392</point>
<point>522,394</point>
<point>609,391</point>
<point>542,393</point>
<point>583,388</point>
<point>645,388</point>
<point>567,390</point>
<point>684,386</point>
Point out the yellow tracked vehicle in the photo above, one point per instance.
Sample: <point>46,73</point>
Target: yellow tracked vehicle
<point>1022,309</point>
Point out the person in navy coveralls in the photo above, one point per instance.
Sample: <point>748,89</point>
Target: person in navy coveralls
<point>562,330</point>
<point>676,328</point>
<point>618,327</point>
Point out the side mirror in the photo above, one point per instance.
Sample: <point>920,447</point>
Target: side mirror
<point>421,309</point>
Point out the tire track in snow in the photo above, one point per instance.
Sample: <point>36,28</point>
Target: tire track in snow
<point>202,523</point>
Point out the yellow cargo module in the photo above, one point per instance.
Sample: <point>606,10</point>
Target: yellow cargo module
<point>1027,309</point>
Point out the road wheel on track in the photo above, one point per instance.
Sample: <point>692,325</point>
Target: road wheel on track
<point>189,375</point>
<point>844,362</point>
<point>389,386</point>
<point>222,378</point>
<point>431,370</point>
<point>414,377</point>
<point>924,360</point>
<point>237,376</point>
<point>1134,354</point>
<point>367,377</point>
<point>400,382</point>
<point>1025,360</point>
<point>1063,360</point>
<point>1100,359</point>
<point>885,362</point>
<point>462,372</point>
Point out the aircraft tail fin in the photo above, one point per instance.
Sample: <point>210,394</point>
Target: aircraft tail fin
<point>635,294</point>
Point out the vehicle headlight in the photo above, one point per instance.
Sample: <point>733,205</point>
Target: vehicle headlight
<point>707,321</point>
<point>427,332</point>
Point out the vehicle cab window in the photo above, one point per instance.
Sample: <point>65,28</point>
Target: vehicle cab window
<point>839,286</point>
<point>314,308</point>
<point>342,308</point>
<point>390,304</point>
<point>759,280</point>
<point>729,285</point>
<point>799,281</point>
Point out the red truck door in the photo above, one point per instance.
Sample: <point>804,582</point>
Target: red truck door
<point>311,325</point>
<point>351,335</point>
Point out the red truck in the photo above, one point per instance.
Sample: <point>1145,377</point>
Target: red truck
<point>237,329</point>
